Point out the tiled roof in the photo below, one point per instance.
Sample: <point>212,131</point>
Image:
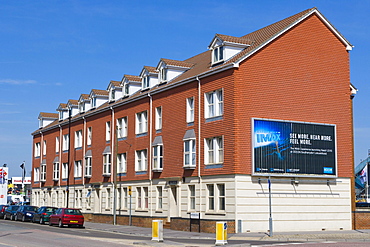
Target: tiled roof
<point>115,83</point>
<point>151,69</point>
<point>84,96</point>
<point>133,78</point>
<point>73,102</point>
<point>100,92</point>
<point>199,65</point>
<point>233,39</point>
<point>177,63</point>
<point>62,106</point>
<point>48,115</point>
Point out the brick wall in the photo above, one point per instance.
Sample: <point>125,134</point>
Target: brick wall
<point>361,220</point>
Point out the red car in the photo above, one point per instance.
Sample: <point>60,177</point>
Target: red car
<point>67,216</point>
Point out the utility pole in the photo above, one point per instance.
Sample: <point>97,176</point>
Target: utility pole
<point>270,210</point>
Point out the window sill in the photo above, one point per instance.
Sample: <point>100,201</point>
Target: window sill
<point>55,179</point>
<point>122,138</point>
<point>213,166</point>
<point>215,118</point>
<point>158,211</point>
<point>87,176</point>
<point>106,174</point>
<point>78,148</point>
<point>141,210</point>
<point>142,134</point>
<point>121,174</point>
<point>140,172</point>
<point>158,131</point>
<point>190,123</point>
<point>189,167</point>
<point>216,213</point>
<point>217,62</point>
<point>157,169</point>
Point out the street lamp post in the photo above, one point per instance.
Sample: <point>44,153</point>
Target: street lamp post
<point>69,153</point>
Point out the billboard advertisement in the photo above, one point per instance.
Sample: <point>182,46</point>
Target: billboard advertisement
<point>293,148</point>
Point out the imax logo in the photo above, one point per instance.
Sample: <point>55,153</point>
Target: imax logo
<point>269,137</point>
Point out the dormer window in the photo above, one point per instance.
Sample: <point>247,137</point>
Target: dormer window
<point>81,107</point>
<point>218,54</point>
<point>93,102</point>
<point>145,82</point>
<point>126,89</point>
<point>112,94</point>
<point>163,75</point>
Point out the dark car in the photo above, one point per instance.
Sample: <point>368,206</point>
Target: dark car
<point>42,215</point>
<point>67,216</point>
<point>2,209</point>
<point>25,212</point>
<point>9,212</point>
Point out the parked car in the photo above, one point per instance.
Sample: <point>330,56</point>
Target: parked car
<point>67,216</point>
<point>9,212</point>
<point>42,215</point>
<point>2,209</point>
<point>25,212</point>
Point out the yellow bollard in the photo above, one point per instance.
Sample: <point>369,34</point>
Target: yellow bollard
<point>157,230</point>
<point>221,233</point>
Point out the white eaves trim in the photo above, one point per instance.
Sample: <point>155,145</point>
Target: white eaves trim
<point>328,24</point>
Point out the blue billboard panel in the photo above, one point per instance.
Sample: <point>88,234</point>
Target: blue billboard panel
<point>283,147</point>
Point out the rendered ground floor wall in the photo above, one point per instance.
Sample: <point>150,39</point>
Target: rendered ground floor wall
<point>297,204</point>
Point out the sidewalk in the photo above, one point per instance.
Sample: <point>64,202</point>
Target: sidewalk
<point>319,236</point>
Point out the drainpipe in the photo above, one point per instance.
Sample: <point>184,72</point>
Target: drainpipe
<point>41,156</point>
<point>150,152</point>
<point>83,151</point>
<point>114,164</point>
<point>60,154</point>
<point>199,145</point>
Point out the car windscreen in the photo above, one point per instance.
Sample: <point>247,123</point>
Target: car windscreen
<point>72,212</point>
<point>30,208</point>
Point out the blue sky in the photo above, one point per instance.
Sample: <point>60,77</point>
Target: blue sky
<point>52,51</point>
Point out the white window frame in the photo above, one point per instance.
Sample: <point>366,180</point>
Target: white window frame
<point>78,139</point>
<point>141,122</point>
<point>44,148</point>
<point>65,170</point>
<point>126,89</point>
<point>57,143</point>
<point>43,172</point>
<point>37,149</point>
<point>112,94</point>
<point>216,197</point>
<point>158,157</point>
<point>56,171</point>
<point>107,164</point>
<point>78,169</point>
<point>159,197</point>
<point>163,75</point>
<point>190,152</point>
<point>145,82</point>
<point>122,163</point>
<point>93,102</point>
<point>88,166</point>
<point>36,174</point>
<point>107,131</point>
<point>66,142</point>
<point>218,54</point>
<point>122,127</point>
<point>213,150</point>
<point>192,191</point>
<point>108,203</point>
<point>89,136</point>
<point>190,110</point>
<point>214,104</point>
<point>158,118</point>
<point>141,161</point>
<point>125,197</point>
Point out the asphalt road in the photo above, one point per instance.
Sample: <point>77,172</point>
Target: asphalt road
<point>28,234</point>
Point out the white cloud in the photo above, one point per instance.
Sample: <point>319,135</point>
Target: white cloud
<point>16,82</point>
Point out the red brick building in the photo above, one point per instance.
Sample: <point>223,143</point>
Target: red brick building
<point>190,137</point>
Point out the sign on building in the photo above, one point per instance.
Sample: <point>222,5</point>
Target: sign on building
<point>3,185</point>
<point>285,147</point>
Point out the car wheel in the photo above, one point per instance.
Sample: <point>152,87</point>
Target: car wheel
<point>41,221</point>
<point>50,223</point>
<point>81,226</point>
<point>4,216</point>
<point>11,217</point>
<point>16,217</point>
<point>60,224</point>
<point>23,218</point>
